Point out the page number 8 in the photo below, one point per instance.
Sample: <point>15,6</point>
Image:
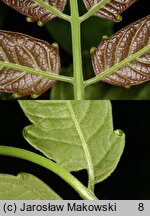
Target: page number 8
<point>141,207</point>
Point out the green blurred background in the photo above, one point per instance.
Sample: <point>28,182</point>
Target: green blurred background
<point>92,31</point>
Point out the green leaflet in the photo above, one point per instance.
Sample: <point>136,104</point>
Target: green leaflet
<point>76,134</point>
<point>25,186</point>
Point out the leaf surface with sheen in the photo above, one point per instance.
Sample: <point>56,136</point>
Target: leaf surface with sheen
<point>27,51</point>
<point>120,46</point>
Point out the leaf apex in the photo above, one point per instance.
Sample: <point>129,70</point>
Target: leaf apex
<point>25,130</point>
<point>92,50</point>
<point>34,96</point>
<point>119,132</point>
<point>21,174</point>
<point>16,95</point>
<point>29,19</point>
<point>55,45</point>
<point>118,18</point>
<point>105,37</point>
<point>40,23</point>
<point>127,86</point>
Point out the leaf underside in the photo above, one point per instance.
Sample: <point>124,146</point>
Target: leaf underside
<point>26,51</point>
<point>74,134</point>
<point>112,10</point>
<point>120,46</point>
<point>33,10</point>
<point>25,186</point>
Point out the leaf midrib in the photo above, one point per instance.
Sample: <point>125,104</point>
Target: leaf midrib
<point>84,145</point>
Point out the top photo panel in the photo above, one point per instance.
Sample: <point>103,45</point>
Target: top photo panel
<point>74,49</point>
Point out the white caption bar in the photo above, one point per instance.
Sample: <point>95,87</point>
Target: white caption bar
<point>75,207</point>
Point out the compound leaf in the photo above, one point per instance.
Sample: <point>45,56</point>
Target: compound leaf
<point>112,10</point>
<point>26,51</point>
<point>33,10</point>
<point>75,134</point>
<point>25,186</point>
<point>120,46</point>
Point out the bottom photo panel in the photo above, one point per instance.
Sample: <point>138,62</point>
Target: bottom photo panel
<point>74,150</point>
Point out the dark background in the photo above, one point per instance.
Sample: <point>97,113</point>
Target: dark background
<point>92,31</point>
<point>131,178</point>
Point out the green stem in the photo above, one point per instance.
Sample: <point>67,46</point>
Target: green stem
<point>46,74</point>
<point>53,10</point>
<point>76,46</point>
<point>116,67</point>
<point>45,162</point>
<point>93,10</point>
